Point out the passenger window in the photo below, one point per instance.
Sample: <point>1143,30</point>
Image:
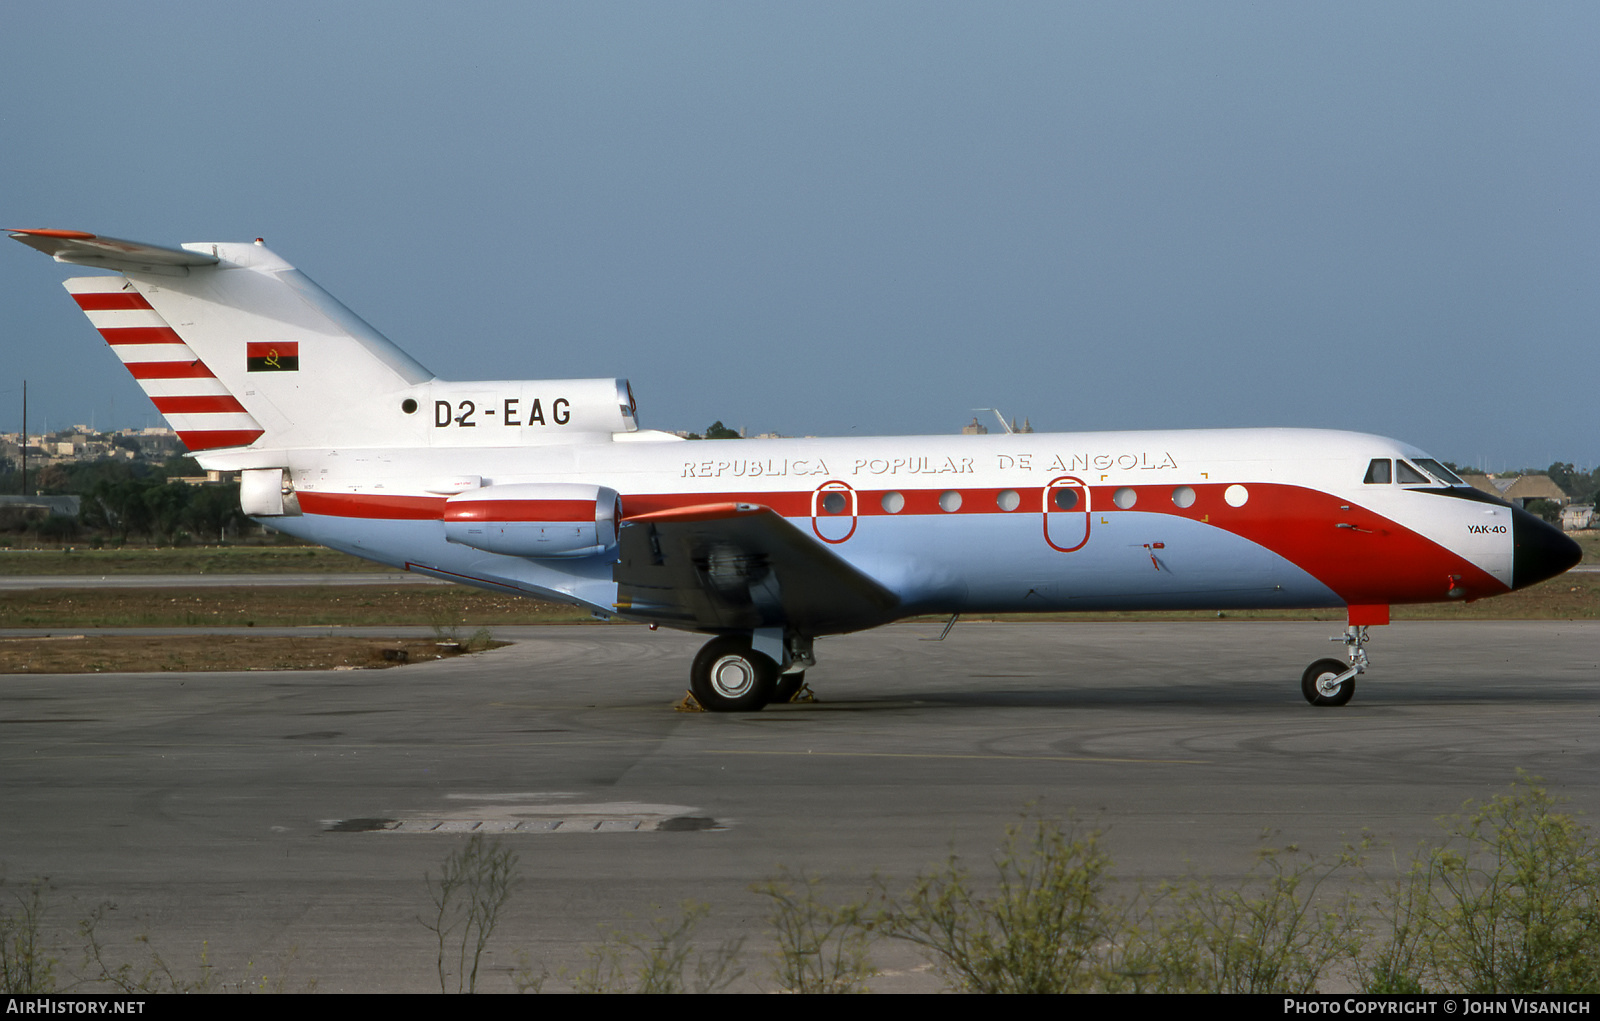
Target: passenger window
<point>1378,472</point>
<point>1408,475</point>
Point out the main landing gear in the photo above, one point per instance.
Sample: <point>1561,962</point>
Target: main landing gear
<point>1330,682</point>
<point>738,673</point>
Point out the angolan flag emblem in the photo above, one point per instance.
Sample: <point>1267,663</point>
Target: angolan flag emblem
<point>284,357</point>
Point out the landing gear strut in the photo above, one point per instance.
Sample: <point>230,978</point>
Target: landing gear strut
<point>797,656</point>
<point>788,687</point>
<point>1330,682</point>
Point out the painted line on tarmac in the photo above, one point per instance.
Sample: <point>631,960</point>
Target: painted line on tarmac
<point>990,758</point>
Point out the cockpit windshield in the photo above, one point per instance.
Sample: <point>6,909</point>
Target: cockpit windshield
<point>1383,471</point>
<point>1440,472</point>
<point>1409,476</point>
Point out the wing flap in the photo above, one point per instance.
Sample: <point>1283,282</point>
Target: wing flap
<point>738,567</point>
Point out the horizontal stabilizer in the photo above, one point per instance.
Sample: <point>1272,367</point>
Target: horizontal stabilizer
<point>85,249</point>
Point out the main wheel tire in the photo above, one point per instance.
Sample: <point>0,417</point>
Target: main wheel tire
<point>1313,683</point>
<point>730,677</point>
<point>788,687</point>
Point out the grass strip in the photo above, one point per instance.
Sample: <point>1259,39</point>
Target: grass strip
<point>441,607</point>
<point>87,654</point>
<point>78,560</point>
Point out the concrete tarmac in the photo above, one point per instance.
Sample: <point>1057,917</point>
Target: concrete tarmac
<point>291,816</point>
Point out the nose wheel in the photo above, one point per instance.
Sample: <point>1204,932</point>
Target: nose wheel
<point>1330,682</point>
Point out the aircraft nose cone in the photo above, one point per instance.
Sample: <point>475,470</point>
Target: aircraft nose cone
<point>1540,550</point>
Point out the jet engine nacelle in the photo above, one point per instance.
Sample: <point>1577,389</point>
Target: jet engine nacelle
<point>535,519</point>
<point>520,411</point>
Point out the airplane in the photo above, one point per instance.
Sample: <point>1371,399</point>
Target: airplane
<point>550,489</point>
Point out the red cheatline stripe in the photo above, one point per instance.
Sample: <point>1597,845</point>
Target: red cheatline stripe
<point>354,505</point>
<point>170,370</point>
<point>116,336</point>
<point>197,405</point>
<point>109,300</point>
<point>521,510</point>
<point>206,439</point>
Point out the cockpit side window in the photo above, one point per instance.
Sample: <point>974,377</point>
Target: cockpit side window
<point>1378,472</point>
<point>1439,471</point>
<point>1409,476</point>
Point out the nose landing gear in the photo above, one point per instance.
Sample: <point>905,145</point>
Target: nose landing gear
<point>1330,682</point>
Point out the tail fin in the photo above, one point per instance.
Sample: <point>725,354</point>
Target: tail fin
<point>247,358</point>
<point>235,346</point>
<point>183,388</point>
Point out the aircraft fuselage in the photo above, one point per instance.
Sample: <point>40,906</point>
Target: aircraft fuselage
<point>1212,519</point>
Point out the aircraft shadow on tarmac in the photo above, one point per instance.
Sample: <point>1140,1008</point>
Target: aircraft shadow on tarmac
<point>1275,694</point>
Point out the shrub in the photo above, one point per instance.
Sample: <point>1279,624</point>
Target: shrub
<point>1269,934</point>
<point>822,948</point>
<point>1509,904</point>
<point>659,961</point>
<point>1046,928</point>
<point>474,884</point>
<point>25,964</point>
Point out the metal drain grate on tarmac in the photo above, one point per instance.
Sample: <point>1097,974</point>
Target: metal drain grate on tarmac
<point>499,827</point>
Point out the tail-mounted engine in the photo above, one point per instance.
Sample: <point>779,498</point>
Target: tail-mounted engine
<point>535,519</point>
<point>519,412</point>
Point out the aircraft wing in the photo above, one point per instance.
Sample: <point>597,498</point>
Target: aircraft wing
<point>740,566</point>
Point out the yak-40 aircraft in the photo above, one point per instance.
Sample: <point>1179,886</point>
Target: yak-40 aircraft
<point>549,488</point>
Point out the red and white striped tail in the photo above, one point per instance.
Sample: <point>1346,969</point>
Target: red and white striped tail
<point>194,401</point>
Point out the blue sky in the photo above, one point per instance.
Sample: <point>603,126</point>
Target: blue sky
<point>861,218</point>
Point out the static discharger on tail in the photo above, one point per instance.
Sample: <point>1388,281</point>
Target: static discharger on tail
<point>549,488</point>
